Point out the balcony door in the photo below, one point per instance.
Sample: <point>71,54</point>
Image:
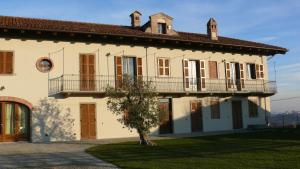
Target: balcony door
<point>237,75</point>
<point>194,75</point>
<point>14,122</point>
<point>87,72</point>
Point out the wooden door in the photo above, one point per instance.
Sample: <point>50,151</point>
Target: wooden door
<point>196,116</point>
<point>165,117</point>
<point>1,121</point>
<point>88,121</point>
<point>87,72</point>
<point>237,114</point>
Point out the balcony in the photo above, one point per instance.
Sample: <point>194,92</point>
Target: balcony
<point>72,84</point>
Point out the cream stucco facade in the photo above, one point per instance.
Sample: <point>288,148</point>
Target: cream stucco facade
<point>28,83</point>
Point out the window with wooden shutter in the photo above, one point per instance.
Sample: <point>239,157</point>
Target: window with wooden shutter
<point>215,109</point>
<point>163,67</point>
<point>6,62</point>
<point>185,65</point>
<point>253,107</point>
<point>261,71</point>
<point>228,77</point>
<point>213,69</point>
<point>118,67</point>
<point>202,72</point>
<point>139,68</point>
<point>242,75</point>
<point>257,71</point>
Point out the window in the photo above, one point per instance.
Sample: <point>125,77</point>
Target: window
<point>215,109</point>
<point>6,62</point>
<point>213,70</point>
<point>163,67</point>
<point>129,67</point>
<point>251,71</point>
<point>161,28</point>
<point>255,71</point>
<point>44,64</point>
<point>253,107</point>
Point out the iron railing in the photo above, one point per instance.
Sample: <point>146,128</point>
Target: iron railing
<point>70,83</point>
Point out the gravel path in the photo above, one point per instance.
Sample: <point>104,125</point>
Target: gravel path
<point>53,155</point>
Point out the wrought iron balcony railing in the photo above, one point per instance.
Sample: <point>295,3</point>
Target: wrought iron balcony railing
<point>99,83</point>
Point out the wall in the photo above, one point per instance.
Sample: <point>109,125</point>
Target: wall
<point>30,84</point>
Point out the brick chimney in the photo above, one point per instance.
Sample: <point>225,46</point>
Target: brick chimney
<point>135,19</point>
<point>212,30</point>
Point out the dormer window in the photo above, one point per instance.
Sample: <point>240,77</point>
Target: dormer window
<point>161,28</point>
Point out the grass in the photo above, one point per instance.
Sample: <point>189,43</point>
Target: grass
<point>274,148</point>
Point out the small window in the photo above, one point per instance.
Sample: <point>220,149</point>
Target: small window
<point>6,62</point>
<point>215,109</point>
<point>161,28</point>
<point>163,67</point>
<point>44,65</point>
<point>253,108</point>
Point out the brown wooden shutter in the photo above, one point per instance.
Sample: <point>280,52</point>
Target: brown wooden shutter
<point>202,74</point>
<point>118,66</point>
<point>139,69</point>
<point>87,72</point>
<point>242,75</point>
<point>167,67</point>
<point>228,78</point>
<point>6,62</point>
<point>160,67</point>
<point>261,70</point>
<point>213,70</point>
<point>215,109</point>
<point>185,65</point>
<point>1,62</point>
<point>257,71</point>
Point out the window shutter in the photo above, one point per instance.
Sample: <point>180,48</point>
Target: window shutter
<point>160,67</point>
<point>118,63</point>
<point>228,78</point>
<point>202,74</point>
<point>257,71</point>
<point>261,69</point>
<point>185,65</point>
<point>167,67</point>
<point>213,70</point>
<point>242,76</point>
<point>139,69</point>
<point>215,109</point>
<point>1,62</point>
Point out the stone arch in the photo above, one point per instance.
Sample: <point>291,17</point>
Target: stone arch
<point>17,100</point>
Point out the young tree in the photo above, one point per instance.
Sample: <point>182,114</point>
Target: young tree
<point>136,105</point>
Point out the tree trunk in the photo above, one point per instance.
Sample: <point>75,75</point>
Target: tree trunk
<point>143,139</point>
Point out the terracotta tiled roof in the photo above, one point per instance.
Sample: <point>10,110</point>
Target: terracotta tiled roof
<point>9,22</point>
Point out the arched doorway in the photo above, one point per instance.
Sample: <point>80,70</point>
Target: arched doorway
<point>14,121</point>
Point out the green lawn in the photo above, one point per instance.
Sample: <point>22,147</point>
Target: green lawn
<point>278,148</point>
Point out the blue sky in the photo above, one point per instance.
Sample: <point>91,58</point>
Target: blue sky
<point>269,21</point>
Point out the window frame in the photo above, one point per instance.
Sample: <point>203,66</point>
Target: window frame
<point>12,64</point>
<point>163,29</point>
<point>37,64</point>
<point>163,67</point>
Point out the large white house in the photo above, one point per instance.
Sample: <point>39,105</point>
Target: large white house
<point>206,82</point>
